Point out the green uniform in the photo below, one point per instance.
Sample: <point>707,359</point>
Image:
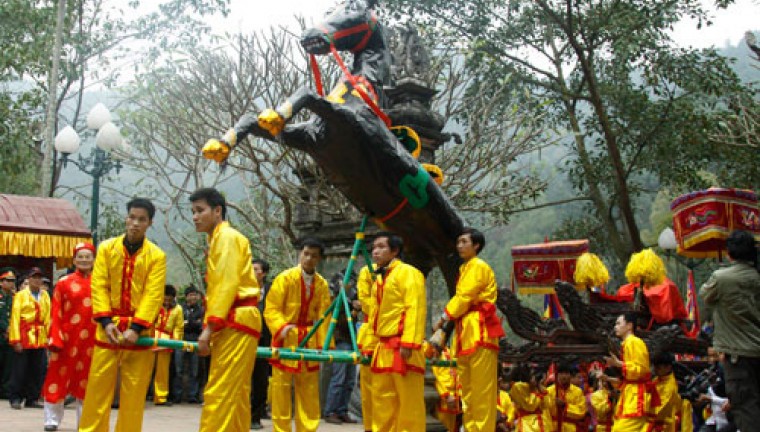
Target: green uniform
<point>6,351</point>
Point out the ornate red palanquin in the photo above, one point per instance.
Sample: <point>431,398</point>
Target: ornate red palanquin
<point>702,220</point>
<point>535,267</point>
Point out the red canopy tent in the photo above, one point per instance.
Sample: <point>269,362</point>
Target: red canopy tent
<point>535,267</point>
<point>38,231</point>
<point>702,220</point>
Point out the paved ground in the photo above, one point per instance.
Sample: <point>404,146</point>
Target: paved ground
<point>184,418</point>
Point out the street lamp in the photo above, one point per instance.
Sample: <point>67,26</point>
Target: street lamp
<point>99,162</point>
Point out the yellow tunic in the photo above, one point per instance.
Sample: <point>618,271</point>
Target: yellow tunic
<point>399,320</point>
<point>574,411</point>
<point>663,417</point>
<point>528,404</point>
<point>170,324</point>
<point>686,423</point>
<point>233,292</point>
<point>505,406</point>
<point>30,320</point>
<point>134,299</point>
<point>473,308</point>
<point>290,301</point>
<point>366,339</point>
<point>232,313</point>
<point>633,402</point>
<point>600,401</point>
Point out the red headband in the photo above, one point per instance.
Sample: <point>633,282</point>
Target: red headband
<point>7,275</point>
<point>84,245</point>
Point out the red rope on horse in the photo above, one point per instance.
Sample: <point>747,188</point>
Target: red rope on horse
<point>354,83</point>
<point>393,212</point>
<point>317,74</point>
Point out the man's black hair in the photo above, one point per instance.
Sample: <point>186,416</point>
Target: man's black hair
<point>741,246</point>
<point>170,290</point>
<point>630,317</point>
<point>143,203</point>
<point>264,265</point>
<point>191,289</point>
<point>213,198</point>
<point>477,238</point>
<point>395,242</point>
<point>311,242</point>
<point>566,367</point>
<point>664,358</point>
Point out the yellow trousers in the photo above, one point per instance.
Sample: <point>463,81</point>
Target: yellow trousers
<point>477,373</point>
<point>161,378</point>
<point>227,403</point>
<point>307,412</point>
<point>133,367</point>
<point>637,424</point>
<point>449,420</point>
<point>365,385</point>
<point>398,402</point>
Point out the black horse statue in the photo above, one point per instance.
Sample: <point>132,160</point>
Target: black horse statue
<point>351,141</point>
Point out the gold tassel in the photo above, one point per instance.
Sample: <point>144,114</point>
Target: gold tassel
<point>590,271</point>
<point>645,267</point>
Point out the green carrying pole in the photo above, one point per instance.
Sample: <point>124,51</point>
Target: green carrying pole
<point>285,353</point>
<point>306,354</point>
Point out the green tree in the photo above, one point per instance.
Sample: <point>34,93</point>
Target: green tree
<point>637,108</point>
<point>101,41</point>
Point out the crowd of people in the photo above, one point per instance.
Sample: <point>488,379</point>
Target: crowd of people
<point>78,343</point>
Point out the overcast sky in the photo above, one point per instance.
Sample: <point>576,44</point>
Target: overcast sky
<point>729,25</point>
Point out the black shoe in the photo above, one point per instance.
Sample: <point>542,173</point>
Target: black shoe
<point>167,403</point>
<point>256,425</point>
<point>333,419</point>
<point>51,428</point>
<point>34,404</point>
<point>192,401</point>
<point>16,405</point>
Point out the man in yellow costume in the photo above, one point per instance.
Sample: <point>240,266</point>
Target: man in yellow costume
<point>478,331</point>
<point>565,402</point>
<point>449,393</point>
<point>662,418</point>
<point>170,324</point>
<point>635,386</point>
<point>398,364</point>
<point>366,341</point>
<point>505,409</point>
<point>232,324</point>
<point>127,290</point>
<point>527,395</point>
<point>298,297</point>
<point>602,403</point>
<point>28,335</point>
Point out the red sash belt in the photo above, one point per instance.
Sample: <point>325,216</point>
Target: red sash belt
<point>394,343</point>
<point>25,327</point>
<point>524,413</point>
<point>645,385</point>
<point>489,319</point>
<point>248,301</point>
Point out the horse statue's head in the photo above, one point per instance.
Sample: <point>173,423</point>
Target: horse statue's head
<point>349,26</point>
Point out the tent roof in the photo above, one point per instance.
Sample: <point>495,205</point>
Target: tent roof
<point>28,214</point>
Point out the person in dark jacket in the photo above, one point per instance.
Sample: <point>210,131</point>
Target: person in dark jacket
<point>261,369</point>
<point>188,364</point>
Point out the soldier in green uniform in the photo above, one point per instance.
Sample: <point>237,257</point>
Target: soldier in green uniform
<point>7,288</point>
